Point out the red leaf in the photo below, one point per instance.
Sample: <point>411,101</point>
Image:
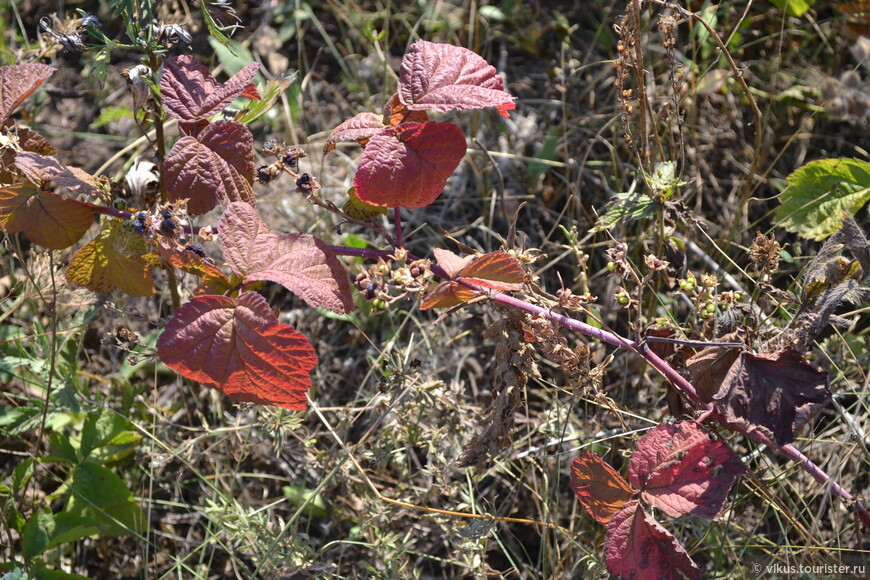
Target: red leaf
<point>300,262</point>
<point>395,113</point>
<point>445,77</point>
<point>250,92</point>
<point>773,393</point>
<point>497,270</point>
<point>46,218</point>
<point>638,547</point>
<point>681,471</point>
<point>190,93</point>
<point>447,295</point>
<point>218,165</point>
<point>599,487</point>
<point>237,346</point>
<point>358,128</point>
<point>213,280</point>
<point>17,82</point>
<point>409,165</point>
<point>40,168</point>
<point>451,262</point>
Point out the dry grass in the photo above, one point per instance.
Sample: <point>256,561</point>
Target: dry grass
<point>244,491</point>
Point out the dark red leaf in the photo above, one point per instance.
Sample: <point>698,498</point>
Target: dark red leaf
<point>358,128</point>
<point>773,393</point>
<point>681,471</point>
<point>218,165</point>
<point>237,346</point>
<point>708,368</point>
<point>409,165</point>
<point>599,487</point>
<point>17,82</point>
<point>190,93</point>
<point>637,547</point>
<point>46,218</point>
<point>300,262</point>
<point>445,77</point>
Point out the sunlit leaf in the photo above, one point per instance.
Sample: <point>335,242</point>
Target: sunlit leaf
<point>112,261</point>
<point>445,77</point>
<point>17,82</point>
<point>218,165</point>
<point>408,166</point>
<point>190,92</point>
<point>300,262</point>
<point>46,218</point>
<point>599,487</point>
<point>682,471</point>
<point>638,547</point>
<point>818,194</point>
<point>237,346</point>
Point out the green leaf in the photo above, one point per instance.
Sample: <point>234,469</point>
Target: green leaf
<point>627,207</point>
<point>312,504</point>
<point>100,495</point>
<point>213,28</point>
<point>61,450</point>
<point>794,7</point>
<point>37,533</point>
<point>100,429</point>
<point>818,194</point>
<point>71,527</point>
<point>22,474</point>
<point>270,94</point>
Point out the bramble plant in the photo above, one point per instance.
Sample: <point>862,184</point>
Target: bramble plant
<point>742,378</point>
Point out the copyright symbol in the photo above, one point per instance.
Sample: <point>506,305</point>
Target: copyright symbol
<point>756,567</point>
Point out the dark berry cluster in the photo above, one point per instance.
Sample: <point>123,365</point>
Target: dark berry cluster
<point>168,225</point>
<point>140,222</point>
<point>286,160</point>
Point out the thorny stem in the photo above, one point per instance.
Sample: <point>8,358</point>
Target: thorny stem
<point>666,370</point>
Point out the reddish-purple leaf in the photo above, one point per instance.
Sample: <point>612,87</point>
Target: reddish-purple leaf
<point>445,77</point>
<point>300,262</point>
<point>681,471</point>
<point>358,128</point>
<point>218,165</point>
<point>237,346</point>
<point>773,393</point>
<point>28,140</point>
<point>190,93</point>
<point>17,82</point>
<point>46,218</point>
<point>409,165</point>
<point>599,487</point>
<point>40,168</point>
<point>637,547</point>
